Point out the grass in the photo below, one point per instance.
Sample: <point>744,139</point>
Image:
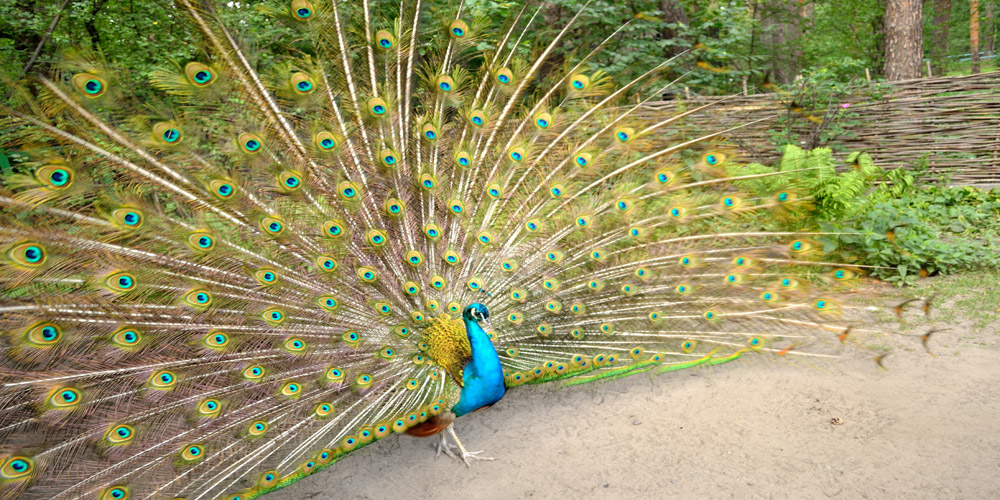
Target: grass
<point>970,299</point>
<point>960,68</point>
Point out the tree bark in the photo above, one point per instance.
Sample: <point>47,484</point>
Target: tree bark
<point>782,21</point>
<point>904,32</point>
<point>90,24</point>
<point>974,35</point>
<point>939,45</point>
<point>988,36</point>
<point>673,13</point>
<point>44,40</point>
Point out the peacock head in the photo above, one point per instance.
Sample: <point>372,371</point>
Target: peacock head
<point>476,312</point>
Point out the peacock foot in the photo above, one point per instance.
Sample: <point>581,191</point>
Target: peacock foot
<point>457,450</point>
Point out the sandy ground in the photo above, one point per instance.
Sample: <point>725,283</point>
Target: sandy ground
<point>926,428</point>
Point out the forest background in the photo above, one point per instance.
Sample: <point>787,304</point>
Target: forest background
<point>748,44</point>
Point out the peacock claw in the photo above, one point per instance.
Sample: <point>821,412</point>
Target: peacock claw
<point>474,455</point>
<point>444,447</point>
<point>450,449</point>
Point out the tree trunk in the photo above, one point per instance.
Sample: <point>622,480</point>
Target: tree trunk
<point>939,45</point>
<point>974,35</point>
<point>673,13</point>
<point>904,33</point>
<point>782,21</point>
<point>876,51</point>
<point>90,24</point>
<point>988,35</point>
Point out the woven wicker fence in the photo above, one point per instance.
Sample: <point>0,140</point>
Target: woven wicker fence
<point>952,123</point>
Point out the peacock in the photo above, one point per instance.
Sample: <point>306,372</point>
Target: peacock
<point>229,283</point>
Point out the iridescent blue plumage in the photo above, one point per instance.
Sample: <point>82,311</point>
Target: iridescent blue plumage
<point>482,379</point>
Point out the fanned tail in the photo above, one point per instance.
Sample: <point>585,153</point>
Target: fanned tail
<point>224,289</point>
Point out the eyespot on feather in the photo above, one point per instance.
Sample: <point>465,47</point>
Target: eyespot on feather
<point>328,302</point>
<point>451,257</point>
<point>29,255</point>
<point>624,135</point>
<point>116,493</point>
<point>333,228</point>
<point>200,75</point>
<point>216,340</point>
<point>44,334</point>
<point>249,143</point>
<point>163,380</point>
<point>477,118</point>
<point>348,190</point>
<point>484,237</point>
<point>444,83</point>
<point>458,29</point>
<point>55,177</point>
<point>429,132</point>
<point>302,83</point>
<point>377,107</point>
<point>376,238</point>
<point>64,398</point>
<point>272,226</point>
<point>504,76</point>
<point>302,10</point>
<point>209,408</point>
<point>119,435</point>
<point>579,82</point>
<point>326,263</point>
<point>254,373</point>
<point>266,276</point>
<point>222,189</point>
<point>273,316</point>
<point>167,134</point>
<point>200,241</point>
<point>394,207</point>
<point>516,155</point>
<point>414,257</point>
<point>384,40</point>
<point>90,85</point>
<point>126,337</point>
<point>257,429</point>
<point>463,159</point>
<point>198,298</point>
<point>120,282</point>
<point>494,190</point>
<point>325,141</point>
<point>294,345</point>
<point>543,121</point>
<point>367,274</point>
<point>427,181</point>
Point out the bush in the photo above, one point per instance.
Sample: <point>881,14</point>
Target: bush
<point>896,220</point>
<point>927,230</point>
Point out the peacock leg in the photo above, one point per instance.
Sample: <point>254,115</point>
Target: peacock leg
<point>466,455</point>
<point>443,446</point>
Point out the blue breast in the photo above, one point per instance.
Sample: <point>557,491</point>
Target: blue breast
<point>482,380</point>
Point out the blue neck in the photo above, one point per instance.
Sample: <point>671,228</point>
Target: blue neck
<point>482,381</point>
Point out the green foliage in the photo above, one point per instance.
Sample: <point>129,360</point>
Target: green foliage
<point>845,36</point>
<point>834,195</point>
<point>892,220</point>
<point>929,230</point>
<point>955,60</point>
<point>819,109</point>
